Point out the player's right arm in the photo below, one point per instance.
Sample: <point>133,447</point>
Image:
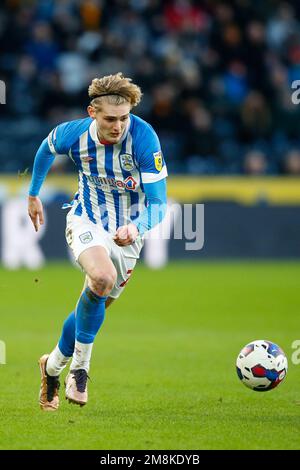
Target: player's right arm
<point>53,145</point>
<point>42,164</point>
<point>35,211</point>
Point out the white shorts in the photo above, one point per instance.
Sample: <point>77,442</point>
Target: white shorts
<point>81,234</point>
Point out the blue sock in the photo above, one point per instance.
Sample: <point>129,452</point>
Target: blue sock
<point>90,313</point>
<point>67,339</point>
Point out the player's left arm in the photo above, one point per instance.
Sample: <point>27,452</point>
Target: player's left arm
<point>156,206</point>
<point>153,214</point>
<point>153,173</point>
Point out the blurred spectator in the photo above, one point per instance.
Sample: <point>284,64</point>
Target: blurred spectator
<point>91,12</point>
<point>42,47</point>
<point>255,163</point>
<point>185,16</point>
<point>25,98</point>
<point>280,26</point>
<point>163,114</point>
<point>235,81</point>
<point>201,139</point>
<point>292,163</point>
<point>255,118</point>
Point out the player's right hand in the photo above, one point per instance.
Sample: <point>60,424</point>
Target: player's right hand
<point>35,211</point>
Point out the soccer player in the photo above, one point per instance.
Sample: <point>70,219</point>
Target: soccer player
<point>121,194</point>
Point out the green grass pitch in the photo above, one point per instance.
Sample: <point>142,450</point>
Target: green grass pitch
<point>163,367</point>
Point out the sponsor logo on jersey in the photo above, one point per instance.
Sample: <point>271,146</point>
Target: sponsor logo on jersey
<point>126,161</point>
<point>158,161</point>
<point>129,183</point>
<point>86,237</point>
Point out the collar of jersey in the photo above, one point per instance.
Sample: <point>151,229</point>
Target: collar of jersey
<point>94,136</point>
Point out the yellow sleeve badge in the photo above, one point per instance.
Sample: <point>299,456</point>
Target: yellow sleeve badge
<point>158,160</point>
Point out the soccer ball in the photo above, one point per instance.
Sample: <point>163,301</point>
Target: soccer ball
<point>261,365</point>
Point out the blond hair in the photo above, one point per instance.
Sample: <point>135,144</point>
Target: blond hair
<point>115,89</point>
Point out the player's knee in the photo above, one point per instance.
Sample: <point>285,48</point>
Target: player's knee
<point>102,282</point>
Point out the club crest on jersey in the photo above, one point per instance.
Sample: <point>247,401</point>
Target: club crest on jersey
<point>158,161</point>
<point>86,237</point>
<point>126,162</point>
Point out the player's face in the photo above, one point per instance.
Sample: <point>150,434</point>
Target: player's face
<point>111,121</point>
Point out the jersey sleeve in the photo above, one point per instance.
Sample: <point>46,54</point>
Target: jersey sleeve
<point>58,141</point>
<point>156,206</point>
<point>42,164</point>
<point>149,156</point>
<point>56,144</point>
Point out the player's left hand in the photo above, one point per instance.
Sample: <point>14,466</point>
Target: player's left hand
<point>126,235</point>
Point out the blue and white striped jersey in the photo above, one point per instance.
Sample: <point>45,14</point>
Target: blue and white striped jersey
<point>111,177</point>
